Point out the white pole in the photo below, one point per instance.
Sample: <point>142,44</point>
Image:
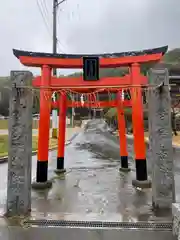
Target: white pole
<point>122,97</point>
<point>54,118</point>
<point>72,116</point>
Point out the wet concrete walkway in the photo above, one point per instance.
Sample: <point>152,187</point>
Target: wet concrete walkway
<point>93,188</point>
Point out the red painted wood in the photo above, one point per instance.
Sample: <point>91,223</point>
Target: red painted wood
<point>78,84</point>
<point>62,104</point>
<point>78,63</point>
<point>121,126</point>
<point>44,120</point>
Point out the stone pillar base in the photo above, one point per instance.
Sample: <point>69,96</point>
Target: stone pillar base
<point>121,169</point>
<point>141,184</point>
<point>41,185</point>
<point>60,171</point>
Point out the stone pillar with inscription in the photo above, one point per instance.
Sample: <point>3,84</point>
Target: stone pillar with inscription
<point>160,132</point>
<point>20,145</point>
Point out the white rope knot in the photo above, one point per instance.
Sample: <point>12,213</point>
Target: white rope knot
<point>54,96</point>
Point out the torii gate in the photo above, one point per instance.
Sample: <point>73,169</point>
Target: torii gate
<point>88,83</point>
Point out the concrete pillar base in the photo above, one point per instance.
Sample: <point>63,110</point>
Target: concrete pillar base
<point>141,184</point>
<point>41,185</point>
<point>124,169</point>
<point>60,171</point>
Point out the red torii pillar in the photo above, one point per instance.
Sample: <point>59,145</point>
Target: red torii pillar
<point>61,133</point>
<point>122,134</point>
<point>138,130</point>
<point>43,135</point>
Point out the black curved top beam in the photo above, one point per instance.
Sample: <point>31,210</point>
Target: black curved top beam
<point>163,50</point>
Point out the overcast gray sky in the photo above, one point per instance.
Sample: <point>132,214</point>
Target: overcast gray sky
<point>87,26</point>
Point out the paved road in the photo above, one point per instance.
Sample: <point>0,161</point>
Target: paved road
<point>93,189</point>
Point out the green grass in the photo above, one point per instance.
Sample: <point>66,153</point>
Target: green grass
<point>4,124</point>
<point>4,144</point>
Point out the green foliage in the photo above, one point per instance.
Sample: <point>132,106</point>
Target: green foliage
<point>113,72</point>
<point>76,74</point>
<point>36,102</point>
<point>172,57</point>
<point>4,81</point>
<point>4,95</point>
<point>112,113</point>
<point>5,85</point>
